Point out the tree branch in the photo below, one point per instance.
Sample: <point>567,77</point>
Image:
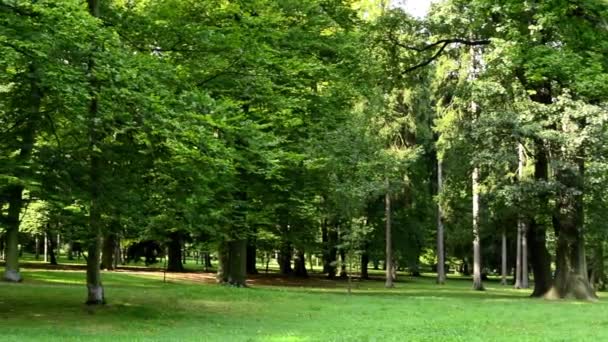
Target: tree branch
<point>444,43</point>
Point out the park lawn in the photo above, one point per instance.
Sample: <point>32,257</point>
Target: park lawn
<point>48,307</point>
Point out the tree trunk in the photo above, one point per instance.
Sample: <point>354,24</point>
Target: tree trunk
<point>11,248</point>
<point>15,192</point>
<point>207,260</point>
<point>52,247</point>
<point>343,273</point>
<point>521,268</point>
<point>389,239</point>
<point>537,232</point>
<point>477,284</point>
<point>300,264</point>
<point>477,279</point>
<point>440,230</point>
<point>525,280</point>
<point>37,247</point>
<point>517,284</point>
<point>503,271</point>
<point>325,242</point>
<point>364,264</point>
<point>109,248</point>
<point>70,251</point>
<point>174,255</point>
<point>332,255</point>
<point>285,256</point>
<point>223,255</point>
<point>251,257</point>
<point>58,248</point>
<point>237,261</point>
<point>571,279</point>
<point>94,287</point>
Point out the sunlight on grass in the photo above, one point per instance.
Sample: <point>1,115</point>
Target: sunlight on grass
<point>48,306</point>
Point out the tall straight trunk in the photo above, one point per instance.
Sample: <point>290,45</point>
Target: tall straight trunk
<point>300,264</point>
<point>343,273</point>
<point>325,246</point>
<point>52,247</point>
<point>521,268</point>
<point>15,192</point>
<point>525,280</point>
<point>95,292</point>
<point>389,239</point>
<point>46,247</point>
<point>174,255</point>
<point>37,246</point>
<point>364,265</point>
<point>477,284</point>
<point>537,232</point>
<point>11,246</point>
<point>285,255</point>
<point>440,229</point>
<point>251,257</point>
<point>332,256</point>
<point>503,270</point>
<point>237,260</point>
<point>109,251</point>
<point>117,253</point>
<point>58,246</point>
<point>517,284</point>
<point>207,260</point>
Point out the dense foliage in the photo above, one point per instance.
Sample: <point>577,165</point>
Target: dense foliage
<point>347,131</point>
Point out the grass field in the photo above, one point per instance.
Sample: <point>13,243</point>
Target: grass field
<point>47,306</point>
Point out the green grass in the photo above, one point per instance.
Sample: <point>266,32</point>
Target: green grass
<point>48,306</point>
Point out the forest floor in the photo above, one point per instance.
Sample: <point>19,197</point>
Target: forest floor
<point>190,307</point>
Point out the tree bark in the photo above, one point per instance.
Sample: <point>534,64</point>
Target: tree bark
<point>389,239</point>
<point>343,273</point>
<point>440,229</point>
<point>300,265</point>
<point>52,247</point>
<point>285,256</point>
<point>332,255</point>
<point>223,254</point>
<point>364,265</point>
<point>325,242</point>
<point>11,246</point>
<point>237,260</point>
<point>477,283</point>
<point>207,260</point>
<point>537,232</point>
<point>174,255</point>
<point>37,247</point>
<point>15,192</point>
<point>503,270</point>
<point>251,257</point>
<point>517,284</point>
<point>571,279</point>
<point>109,250</point>
<point>525,280</point>
<point>95,292</point>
